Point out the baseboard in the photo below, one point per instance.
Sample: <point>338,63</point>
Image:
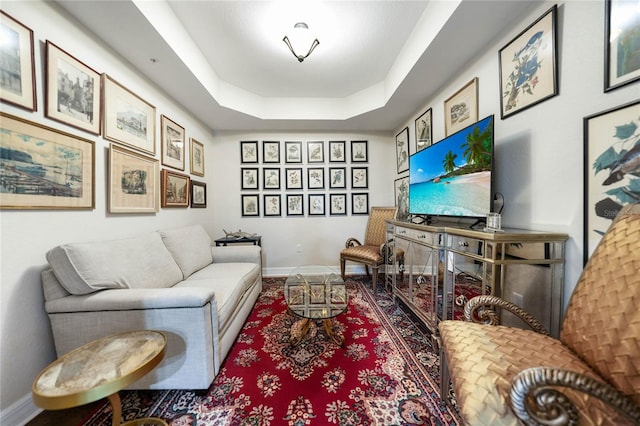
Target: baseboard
<point>20,412</point>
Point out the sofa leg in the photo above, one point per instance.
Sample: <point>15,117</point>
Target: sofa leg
<point>445,378</point>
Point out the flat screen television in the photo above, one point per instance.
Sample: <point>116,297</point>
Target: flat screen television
<point>454,177</point>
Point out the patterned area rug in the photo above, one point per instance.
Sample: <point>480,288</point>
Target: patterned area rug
<point>386,373</point>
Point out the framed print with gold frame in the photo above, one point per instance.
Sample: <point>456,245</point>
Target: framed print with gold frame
<point>128,119</point>
<point>196,160</point>
<point>73,90</point>
<point>461,109</point>
<point>20,88</point>
<point>175,189</point>
<point>59,173</point>
<point>133,181</point>
<point>172,136</point>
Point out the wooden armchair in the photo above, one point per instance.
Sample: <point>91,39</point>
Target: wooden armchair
<point>372,252</point>
<point>590,376</point>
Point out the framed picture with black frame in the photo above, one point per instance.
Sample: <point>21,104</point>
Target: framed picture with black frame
<point>271,178</point>
<point>359,203</point>
<point>359,152</point>
<point>272,205</point>
<point>295,205</point>
<point>270,152</point>
<point>293,152</point>
<point>315,152</point>
<point>424,130</point>
<point>402,150</point>
<point>250,205</point>
<point>293,178</point>
<point>338,204</point>
<point>173,143</point>
<point>337,152</point>
<point>198,194</point>
<point>359,177</point>
<point>249,178</point>
<point>315,178</point>
<point>249,152</point>
<point>337,177</point>
<point>316,205</point>
<point>401,195</point>
<point>622,21</point>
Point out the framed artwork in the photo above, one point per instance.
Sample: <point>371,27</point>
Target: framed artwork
<point>294,178</point>
<point>249,178</point>
<point>528,70</point>
<point>295,205</point>
<point>20,88</point>
<point>338,204</point>
<point>461,109</point>
<point>315,178</point>
<point>424,130</point>
<point>133,182</point>
<point>315,152</point>
<point>293,152</point>
<point>337,151</point>
<point>359,203</point>
<point>359,177</point>
<point>337,177</point>
<point>173,149</point>
<point>59,175</point>
<point>248,152</point>
<point>316,205</point>
<point>128,119</point>
<point>611,169</point>
<point>402,150</point>
<point>270,152</point>
<point>401,195</point>
<point>175,189</point>
<point>272,205</point>
<point>72,93</point>
<point>622,26</point>
<point>197,157</point>
<point>359,152</point>
<point>271,178</point>
<point>250,205</point>
<point>198,194</point>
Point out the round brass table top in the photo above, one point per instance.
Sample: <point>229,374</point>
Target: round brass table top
<point>98,369</point>
<point>315,292</point>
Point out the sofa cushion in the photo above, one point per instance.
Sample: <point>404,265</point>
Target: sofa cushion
<point>190,247</point>
<point>139,262</point>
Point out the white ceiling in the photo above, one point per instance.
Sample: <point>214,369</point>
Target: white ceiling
<point>378,62</point>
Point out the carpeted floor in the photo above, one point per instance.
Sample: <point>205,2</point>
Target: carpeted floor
<point>386,373</point>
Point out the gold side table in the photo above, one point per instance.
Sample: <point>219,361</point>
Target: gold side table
<point>100,369</point>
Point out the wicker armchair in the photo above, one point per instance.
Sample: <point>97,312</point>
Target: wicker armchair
<point>372,252</point>
<point>591,376</point>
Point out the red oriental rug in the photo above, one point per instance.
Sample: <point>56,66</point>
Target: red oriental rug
<point>386,373</point>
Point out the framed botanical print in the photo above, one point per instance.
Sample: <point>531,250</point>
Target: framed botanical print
<point>528,70</point>
<point>611,169</point>
<point>424,130</point>
<point>250,205</point>
<point>461,109</point>
<point>359,203</point>
<point>359,153</point>
<point>128,119</point>
<point>73,91</point>
<point>294,178</point>
<point>249,178</point>
<point>248,152</point>
<point>316,205</point>
<point>270,151</point>
<point>338,204</point>
<point>315,152</point>
<point>198,194</point>
<point>295,205</point>
<point>337,152</point>
<point>622,26</point>
<point>337,177</point>
<point>20,88</point>
<point>272,205</point>
<point>293,152</point>
<point>401,195</point>
<point>359,177</point>
<point>271,178</point>
<point>172,143</point>
<point>197,157</point>
<point>133,182</point>
<point>402,150</point>
<point>175,188</point>
<point>315,178</point>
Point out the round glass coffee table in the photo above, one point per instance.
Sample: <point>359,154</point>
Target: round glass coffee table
<point>315,292</point>
<point>100,369</point>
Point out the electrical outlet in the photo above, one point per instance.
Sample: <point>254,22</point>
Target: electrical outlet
<point>299,248</point>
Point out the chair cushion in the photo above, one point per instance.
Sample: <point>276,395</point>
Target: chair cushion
<point>484,359</point>
<point>365,254</point>
<point>190,247</point>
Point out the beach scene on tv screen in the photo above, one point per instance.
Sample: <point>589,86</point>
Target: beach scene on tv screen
<point>453,177</point>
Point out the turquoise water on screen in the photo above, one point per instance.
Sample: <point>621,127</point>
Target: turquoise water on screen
<point>468,195</point>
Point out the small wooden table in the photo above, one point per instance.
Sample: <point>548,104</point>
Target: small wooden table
<point>100,369</point>
<point>256,240</point>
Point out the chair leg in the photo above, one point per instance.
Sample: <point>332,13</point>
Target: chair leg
<point>374,277</point>
<point>342,265</point>
<point>445,378</point>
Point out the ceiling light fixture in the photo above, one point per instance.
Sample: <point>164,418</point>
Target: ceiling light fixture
<point>301,37</point>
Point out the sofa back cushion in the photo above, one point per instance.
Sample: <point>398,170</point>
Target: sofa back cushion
<point>190,247</point>
<point>140,262</point>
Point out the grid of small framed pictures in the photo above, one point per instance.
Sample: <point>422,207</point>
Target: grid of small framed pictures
<point>304,178</point>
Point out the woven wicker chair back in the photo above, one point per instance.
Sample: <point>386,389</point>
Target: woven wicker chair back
<point>602,322</point>
<point>376,228</point>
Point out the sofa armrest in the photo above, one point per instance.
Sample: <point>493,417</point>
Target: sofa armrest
<point>237,253</point>
<point>480,309</point>
<point>132,299</point>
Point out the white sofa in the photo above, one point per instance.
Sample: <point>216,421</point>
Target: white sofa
<point>173,281</point>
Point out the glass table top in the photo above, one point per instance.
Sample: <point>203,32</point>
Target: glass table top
<point>316,292</point>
